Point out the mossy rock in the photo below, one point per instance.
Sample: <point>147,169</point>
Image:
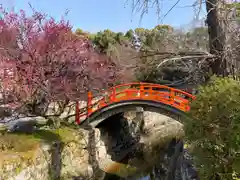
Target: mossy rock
<point>19,151</point>
<point>24,145</point>
<point>20,142</point>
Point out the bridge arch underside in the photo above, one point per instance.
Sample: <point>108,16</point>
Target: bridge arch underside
<point>105,113</point>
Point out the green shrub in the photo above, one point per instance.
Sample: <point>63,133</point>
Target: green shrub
<point>215,129</point>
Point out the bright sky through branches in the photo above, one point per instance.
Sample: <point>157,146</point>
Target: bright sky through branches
<point>95,15</point>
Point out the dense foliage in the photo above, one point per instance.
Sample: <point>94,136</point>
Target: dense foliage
<point>141,50</point>
<point>214,129</point>
<point>43,60</point>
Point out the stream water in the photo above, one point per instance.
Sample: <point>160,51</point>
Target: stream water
<point>185,169</point>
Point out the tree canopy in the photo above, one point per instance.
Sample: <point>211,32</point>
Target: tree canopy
<point>41,57</point>
<point>141,47</point>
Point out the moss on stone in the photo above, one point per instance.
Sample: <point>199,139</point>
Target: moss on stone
<point>19,150</point>
<point>64,134</point>
<point>19,146</point>
<point>20,142</point>
<point>67,134</point>
<point>17,142</point>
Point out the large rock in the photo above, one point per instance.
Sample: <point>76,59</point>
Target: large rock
<point>158,129</point>
<point>45,154</point>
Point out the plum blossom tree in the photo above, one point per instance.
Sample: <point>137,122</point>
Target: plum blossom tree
<point>42,60</point>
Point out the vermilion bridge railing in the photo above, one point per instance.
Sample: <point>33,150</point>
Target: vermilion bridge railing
<point>135,91</point>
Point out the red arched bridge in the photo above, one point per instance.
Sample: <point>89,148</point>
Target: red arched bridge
<point>134,94</point>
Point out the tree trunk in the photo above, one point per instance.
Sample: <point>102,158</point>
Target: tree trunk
<point>216,36</point>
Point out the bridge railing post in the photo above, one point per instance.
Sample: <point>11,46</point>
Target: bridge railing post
<point>151,93</point>
<point>89,103</point>
<point>172,95</point>
<point>141,90</point>
<point>113,95</point>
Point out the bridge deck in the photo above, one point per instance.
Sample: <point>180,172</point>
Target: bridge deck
<point>136,91</point>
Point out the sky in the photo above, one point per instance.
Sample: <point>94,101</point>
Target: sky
<point>116,15</point>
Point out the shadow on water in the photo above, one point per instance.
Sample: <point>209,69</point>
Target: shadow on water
<point>176,165</point>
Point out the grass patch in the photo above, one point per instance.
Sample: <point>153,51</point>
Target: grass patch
<point>20,142</point>
<point>19,150</point>
<point>17,142</point>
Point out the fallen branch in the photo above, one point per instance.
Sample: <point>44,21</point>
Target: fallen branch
<point>185,58</point>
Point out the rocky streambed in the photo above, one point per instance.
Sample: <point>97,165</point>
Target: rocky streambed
<point>115,149</point>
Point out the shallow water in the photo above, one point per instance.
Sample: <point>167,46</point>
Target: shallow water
<point>184,169</point>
